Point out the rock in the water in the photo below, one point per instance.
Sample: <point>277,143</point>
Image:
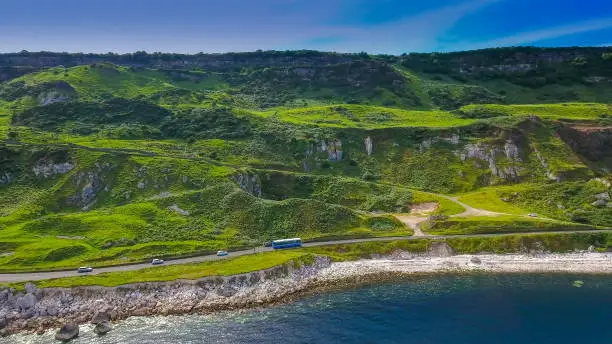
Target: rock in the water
<point>100,317</point>
<point>475,260</point>
<point>67,332</point>
<point>103,328</point>
<point>3,322</point>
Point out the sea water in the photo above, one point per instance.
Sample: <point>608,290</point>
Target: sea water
<point>437,309</point>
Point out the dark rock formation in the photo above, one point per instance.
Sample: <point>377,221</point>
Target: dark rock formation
<point>103,328</point>
<point>100,317</point>
<point>67,332</point>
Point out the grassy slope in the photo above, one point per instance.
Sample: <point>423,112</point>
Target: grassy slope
<point>365,117</point>
<point>498,224</point>
<point>99,81</point>
<point>490,198</point>
<point>570,111</point>
<point>145,228</point>
<point>570,201</point>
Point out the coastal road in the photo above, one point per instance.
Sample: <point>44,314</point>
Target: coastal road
<point>37,276</point>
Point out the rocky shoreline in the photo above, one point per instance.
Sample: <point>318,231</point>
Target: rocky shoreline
<point>37,310</point>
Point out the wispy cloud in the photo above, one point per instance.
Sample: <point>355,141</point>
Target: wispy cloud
<point>383,26</point>
<point>413,33</point>
<point>543,34</point>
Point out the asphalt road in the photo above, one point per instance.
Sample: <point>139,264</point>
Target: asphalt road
<point>37,276</point>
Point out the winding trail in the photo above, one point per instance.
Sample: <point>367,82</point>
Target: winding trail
<point>37,276</point>
<point>419,215</point>
<point>413,222</point>
<point>469,210</point>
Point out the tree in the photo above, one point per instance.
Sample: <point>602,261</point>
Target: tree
<point>13,135</point>
<point>579,61</point>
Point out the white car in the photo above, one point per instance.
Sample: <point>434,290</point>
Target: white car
<point>157,261</point>
<point>84,269</point>
<point>222,253</point>
<point>533,215</point>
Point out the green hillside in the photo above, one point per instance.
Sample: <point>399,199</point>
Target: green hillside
<point>122,160</point>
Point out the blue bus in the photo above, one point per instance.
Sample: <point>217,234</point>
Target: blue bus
<point>286,243</point>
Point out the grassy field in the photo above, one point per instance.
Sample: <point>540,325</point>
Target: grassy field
<point>552,242</point>
<point>498,224</point>
<point>491,198</point>
<point>569,111</point>
<point>228,267</point>
<point>568,201</point>
<point>365,117</point>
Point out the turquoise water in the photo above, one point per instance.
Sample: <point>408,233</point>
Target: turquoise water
<point>443,309</point>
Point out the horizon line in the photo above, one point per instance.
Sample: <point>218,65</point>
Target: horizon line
<point>598,47</point>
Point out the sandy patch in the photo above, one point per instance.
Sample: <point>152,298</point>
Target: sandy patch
<point>424,208</point>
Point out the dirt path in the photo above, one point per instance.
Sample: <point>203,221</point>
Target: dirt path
<point>413,222</point>
<point>470,211</point>
<point>418,214</point>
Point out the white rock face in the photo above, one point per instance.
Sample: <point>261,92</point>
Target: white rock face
<point>334,150</point>
<point>323,146</point>
<point>52,97</point>
<point>605,182</point>
<point>5,178</point>
<point>489,153</point>
<point>50,170</point>
<point>600,203</point>
<point>249,183</point>
<point>512,151</point>
<point>549,174</point>
<point>369,145</point>
<point>428,142</point>
<point>175,208</point>
<point>454,139</point>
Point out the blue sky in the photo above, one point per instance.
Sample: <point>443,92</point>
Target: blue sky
<point>382,26</point>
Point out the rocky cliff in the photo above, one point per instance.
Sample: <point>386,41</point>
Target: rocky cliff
<point>37,309</point>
